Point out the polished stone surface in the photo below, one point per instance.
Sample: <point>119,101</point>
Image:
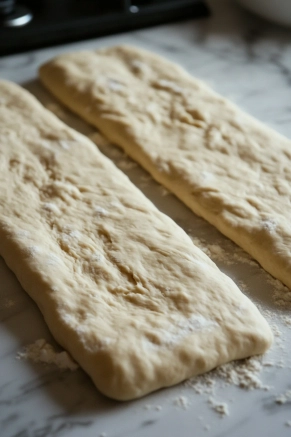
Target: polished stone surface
<point>249,61</point>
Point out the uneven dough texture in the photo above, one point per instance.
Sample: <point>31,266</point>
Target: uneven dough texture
<point>226,166</point>
<point>120,285</point>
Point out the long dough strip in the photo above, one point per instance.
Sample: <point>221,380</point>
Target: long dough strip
<point>226,166</point>
<point>120,285</point>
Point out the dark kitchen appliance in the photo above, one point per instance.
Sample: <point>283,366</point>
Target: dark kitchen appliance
<point>27,24</point>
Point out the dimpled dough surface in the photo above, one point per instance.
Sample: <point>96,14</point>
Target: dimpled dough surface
<point>226,166</point>
<point>120,285</point>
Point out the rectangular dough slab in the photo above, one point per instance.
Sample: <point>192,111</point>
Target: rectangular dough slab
<point>226,166</point>
<point>120,285</point>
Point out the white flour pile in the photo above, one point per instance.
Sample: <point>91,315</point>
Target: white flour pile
<point>43,352</point>
<point>243,374</point>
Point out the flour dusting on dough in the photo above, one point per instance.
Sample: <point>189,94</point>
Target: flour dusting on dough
<point>269,225</point>
<point>51,207</point>
<point>97,257</point>
<point>100,211</point>
<point>33,251</point>
<point>64,144</point>
<point>182,328</point>
<point>22,233</point>
<point>53,260</point>
<point>115,85</point>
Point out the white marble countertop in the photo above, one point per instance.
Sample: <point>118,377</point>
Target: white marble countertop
<point>249,61</point>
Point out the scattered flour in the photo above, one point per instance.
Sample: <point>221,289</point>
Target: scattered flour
<point>153,407</point>
<point>283,398</point>
<point>182,401</point>
<point>272,318</point>
<point>202,384</point>
<point>43,352</point>
<point>281,295</point>
<point>286,320</point>
<point>219,254</point>
<point>276,331</point>
<point>242,286</point>
<point>220,407</point>
<point>242,373</point>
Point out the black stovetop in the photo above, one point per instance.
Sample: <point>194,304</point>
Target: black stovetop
<point>59,21</point>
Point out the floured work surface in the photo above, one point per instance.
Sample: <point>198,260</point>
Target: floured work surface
<point>226,166</point>
<point>120,285</point>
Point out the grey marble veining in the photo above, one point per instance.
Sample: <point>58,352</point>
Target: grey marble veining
<point>249,61</point>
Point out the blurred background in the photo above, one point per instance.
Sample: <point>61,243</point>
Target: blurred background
<point>29,24</point>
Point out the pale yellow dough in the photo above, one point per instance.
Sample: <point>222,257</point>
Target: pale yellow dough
<point>120,285</point>
<point>226,166</point>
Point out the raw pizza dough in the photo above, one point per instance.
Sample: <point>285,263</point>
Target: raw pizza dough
<point>226,166</point>
<point>120,285</point>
